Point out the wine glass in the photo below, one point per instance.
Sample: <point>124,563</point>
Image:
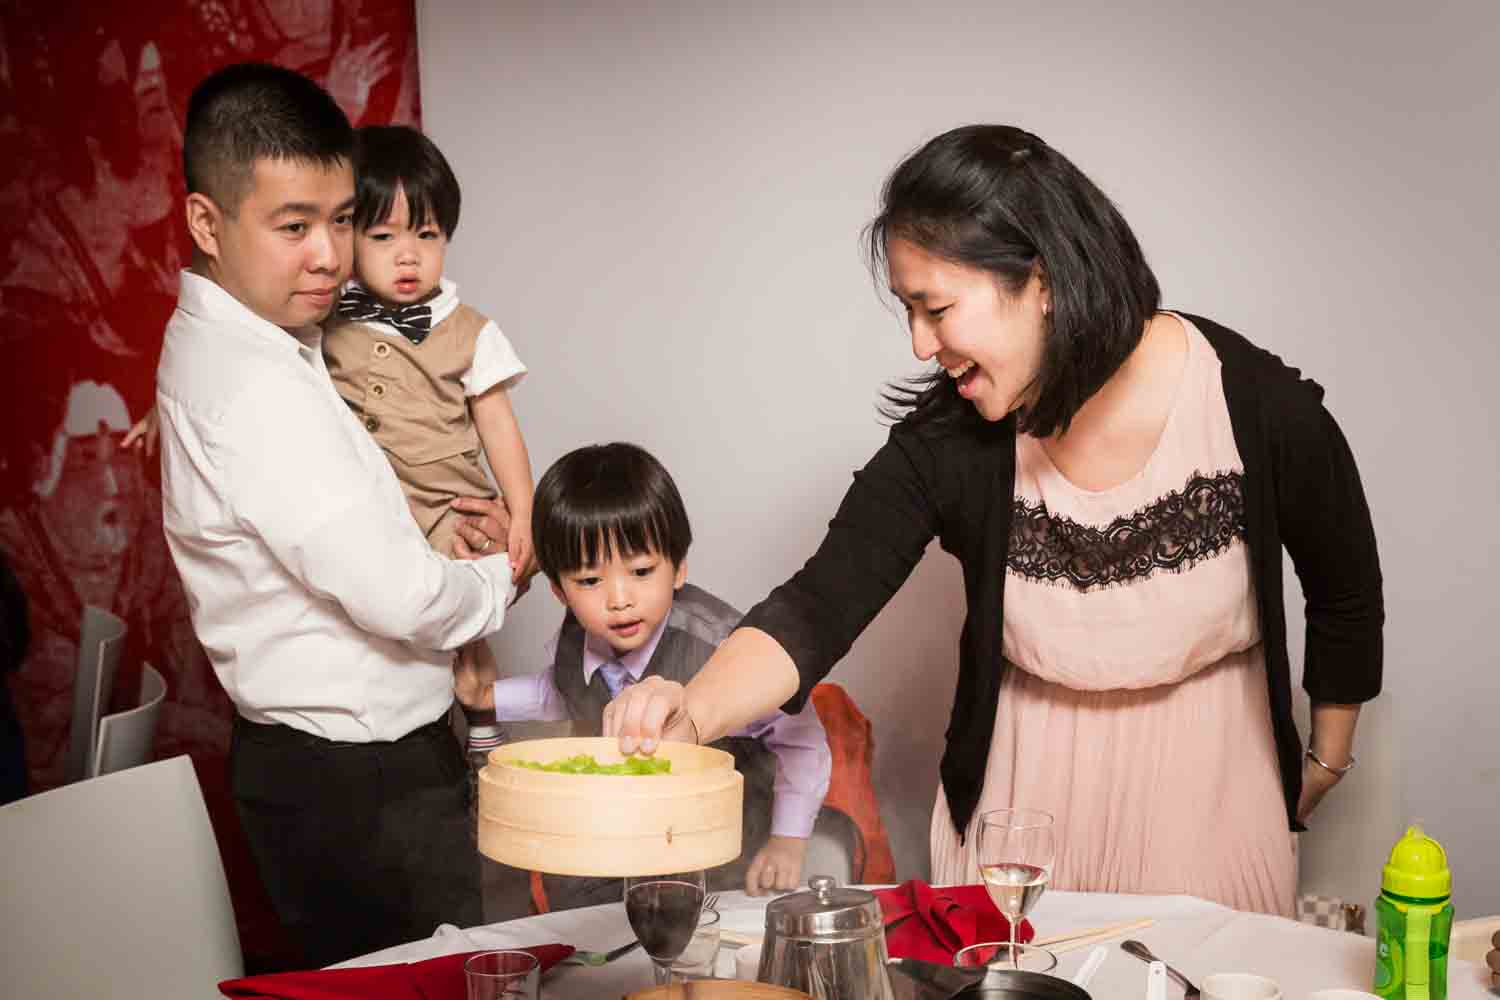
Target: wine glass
<point>1017,849</point>
<point>663,911</point>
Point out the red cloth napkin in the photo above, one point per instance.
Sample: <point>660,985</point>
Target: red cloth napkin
<point>440,978</point>
<point>942,921</point>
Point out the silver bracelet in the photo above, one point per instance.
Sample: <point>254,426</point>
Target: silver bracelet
<point>1337,772</point>
<point>697,738</point>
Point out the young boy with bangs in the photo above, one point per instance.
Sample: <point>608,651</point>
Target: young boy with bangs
<point>612,537</point>
<point>326,615</point>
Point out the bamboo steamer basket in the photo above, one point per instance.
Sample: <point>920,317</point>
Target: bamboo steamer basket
<point>718,989</point>
<point>609,825</point>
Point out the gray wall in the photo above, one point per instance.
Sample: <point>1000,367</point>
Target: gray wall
<point>661,209</point>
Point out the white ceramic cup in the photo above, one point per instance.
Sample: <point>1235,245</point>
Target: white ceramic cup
<point>1239,986</point>
<point>1342,994</point>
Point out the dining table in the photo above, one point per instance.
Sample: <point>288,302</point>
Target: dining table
<point>1194,936</point>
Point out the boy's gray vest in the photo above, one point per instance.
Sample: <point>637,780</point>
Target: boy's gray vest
<point>696,625</point>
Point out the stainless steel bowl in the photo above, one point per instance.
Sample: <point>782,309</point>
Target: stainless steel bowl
<point>928,981</point>
<point>1016,984</point>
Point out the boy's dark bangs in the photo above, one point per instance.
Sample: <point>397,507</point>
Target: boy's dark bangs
<point>591,538</point>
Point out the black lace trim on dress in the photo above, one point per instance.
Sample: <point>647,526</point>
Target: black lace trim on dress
<point>1171,534</point>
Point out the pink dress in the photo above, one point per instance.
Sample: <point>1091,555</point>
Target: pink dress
<point>1134,707</point>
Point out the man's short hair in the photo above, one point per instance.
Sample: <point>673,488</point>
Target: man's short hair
<point>254,111</point>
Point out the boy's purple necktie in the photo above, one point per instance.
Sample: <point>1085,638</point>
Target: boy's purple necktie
<point>616,677</point>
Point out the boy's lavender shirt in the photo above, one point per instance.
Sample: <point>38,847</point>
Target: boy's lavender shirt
<point>803,760</point>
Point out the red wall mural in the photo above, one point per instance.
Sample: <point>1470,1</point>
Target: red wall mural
<point>92,97</point>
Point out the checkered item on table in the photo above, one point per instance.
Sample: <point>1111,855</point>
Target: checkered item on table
<point>1330,911</point>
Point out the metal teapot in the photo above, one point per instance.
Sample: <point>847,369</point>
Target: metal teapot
<point>827,941</point>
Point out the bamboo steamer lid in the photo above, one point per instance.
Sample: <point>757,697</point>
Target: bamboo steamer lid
<point>609,825</point>
<point>718,989</point>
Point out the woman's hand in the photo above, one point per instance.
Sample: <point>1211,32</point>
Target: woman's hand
<point>1332,737</point>
<point>644,714</point>
<point>1316,783</point>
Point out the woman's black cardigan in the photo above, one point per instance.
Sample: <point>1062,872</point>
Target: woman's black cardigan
<point>1302,491</point>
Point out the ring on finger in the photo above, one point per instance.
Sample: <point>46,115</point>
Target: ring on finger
<point>488,541</point>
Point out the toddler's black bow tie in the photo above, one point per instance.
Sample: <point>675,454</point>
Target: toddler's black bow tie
<point>414,322</point>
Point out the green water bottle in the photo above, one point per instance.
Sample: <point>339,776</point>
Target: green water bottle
<point>1413,918</point>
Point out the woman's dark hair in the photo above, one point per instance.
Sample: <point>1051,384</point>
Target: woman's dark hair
<point>388,158</point>
<point>607,498</point>
<point>997,198</point>
<point>254,111</point>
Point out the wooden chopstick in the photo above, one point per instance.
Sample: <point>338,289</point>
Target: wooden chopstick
<point>739,939</point>
<point>1059,943</point>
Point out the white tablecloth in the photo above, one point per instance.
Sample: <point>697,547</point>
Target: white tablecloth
<point>1195,936</point>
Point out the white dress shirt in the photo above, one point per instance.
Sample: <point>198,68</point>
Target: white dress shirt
<point>318,600</point>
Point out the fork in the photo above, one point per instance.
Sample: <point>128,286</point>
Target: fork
<point>597,958</point>
<point>712,902</point>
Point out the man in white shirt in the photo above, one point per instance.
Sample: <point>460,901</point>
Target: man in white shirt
<point>327,617</point>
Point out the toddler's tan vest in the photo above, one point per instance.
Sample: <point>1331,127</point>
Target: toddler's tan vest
<point>410,397</point>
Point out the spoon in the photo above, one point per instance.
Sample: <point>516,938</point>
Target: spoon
<point>1140,951</point>
<point>1156,981</point>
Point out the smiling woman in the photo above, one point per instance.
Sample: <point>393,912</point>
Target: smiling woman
<point>1038,261</point>
<point>988,342</point>
<point>1118,483</point>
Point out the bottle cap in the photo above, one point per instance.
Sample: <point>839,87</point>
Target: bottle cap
<point>1417,869</point>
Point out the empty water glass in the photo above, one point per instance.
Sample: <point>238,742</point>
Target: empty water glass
<point>503,975</point>
<point>701,955</point>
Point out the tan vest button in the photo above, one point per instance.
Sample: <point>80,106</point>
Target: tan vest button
<point>382,349</point>
<point>377,389</point>
<point>372,424</point>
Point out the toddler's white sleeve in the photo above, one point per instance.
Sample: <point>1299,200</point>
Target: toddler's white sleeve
<point>495,363</point>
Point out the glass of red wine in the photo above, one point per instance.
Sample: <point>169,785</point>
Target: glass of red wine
<point>663,911</point>
<point>1017,848</point>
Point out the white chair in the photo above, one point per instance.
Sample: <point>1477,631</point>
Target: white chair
<point>125,738</point>
<point>114,888</point>
<point>100,643</point>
